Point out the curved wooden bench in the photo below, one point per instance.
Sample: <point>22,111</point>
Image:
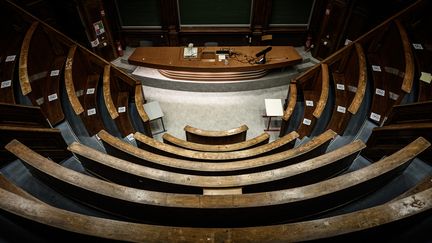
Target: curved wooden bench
<point>418,28</point>
<point>387,139</point>
<point>230,136</point>
<point>259,140</point>
<point>41,63</point>
<point>403,209</point>
<point>289,110</point>
<point>393,71</point>
<point>116,95</point>
<point>154,206</point>
<point>139,104</point>
<point>121,149</point>
<point>46,141</point>
<point>22,115</point>
<point>81,87</point>
<point>154,146</point>
<point>410,113</point>
<point>138,176</point>
<point>315,88</point>
<point>349,84</point>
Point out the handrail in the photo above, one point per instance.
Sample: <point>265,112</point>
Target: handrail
<point>408,79</point>
<point>69,83</point>
<point>362,80</point>
<point>107,93</point>
<point>321,104</point>
<point>23,72</point>
<point>292,101</point>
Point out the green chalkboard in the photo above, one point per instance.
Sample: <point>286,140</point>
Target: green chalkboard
<point>291,12</point>
<point>139,12</point>
<point>215,12</point>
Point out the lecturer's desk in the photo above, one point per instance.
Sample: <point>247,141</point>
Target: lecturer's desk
<point>240,64</point>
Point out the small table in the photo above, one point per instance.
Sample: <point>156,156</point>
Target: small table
<point>273,109</point>
<point>154,112</point>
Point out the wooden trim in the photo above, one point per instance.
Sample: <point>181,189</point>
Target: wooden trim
<point>139,103</point>
<point>23,73</point>
<point>107,93</point>
<point>261,139</point>
<point>157,147</point>
<point>208,133</point>
<point>322,102</point>
<point>69,83</point>
<point>362,80</point>
<point>408,79</point>
<point>292,101</point>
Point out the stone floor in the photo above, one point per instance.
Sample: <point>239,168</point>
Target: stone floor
<point>214,110</point>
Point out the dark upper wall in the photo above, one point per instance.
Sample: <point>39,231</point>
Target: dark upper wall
<point>332,22</point>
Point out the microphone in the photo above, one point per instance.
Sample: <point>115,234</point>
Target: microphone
<point>263,52</point>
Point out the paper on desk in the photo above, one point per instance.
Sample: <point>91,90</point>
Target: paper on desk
<point>426,77</point>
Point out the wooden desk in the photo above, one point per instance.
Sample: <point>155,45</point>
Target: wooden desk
<point>239,64</point>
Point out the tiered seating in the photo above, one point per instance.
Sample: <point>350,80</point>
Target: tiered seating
<point>230,136</point>
<point>29,126</point>
<point>391,62</point>
<point>349,86</point>
<point>21,204</point>
<point>314,86</point>
<point>259,140</point>
<point>129,174</point>
<point>418,27</point>
<point>187,209</point>
<point>405,123</point>
<point>299,193</point>
<point>42,59</point>
<point>157,147</point>
<point>207,160</point>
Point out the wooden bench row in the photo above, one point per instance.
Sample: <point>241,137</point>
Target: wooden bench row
<point>120,149</point>
<point>63,224</point>
<point>259,140</point>
<point>130,174</point>
<point>154,146</point>
<point>385,52</point>
<point>47,57</point>
<point>230,136</point>
<point>245,209</point>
